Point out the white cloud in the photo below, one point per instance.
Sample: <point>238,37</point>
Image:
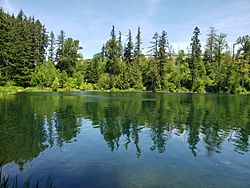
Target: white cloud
<point>7,6</point>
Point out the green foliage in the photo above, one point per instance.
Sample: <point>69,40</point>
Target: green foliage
<point>122,80</point>
<point>63,79</point>
<point>7,90</point>
<point>44,75</point>
<point>70,84</point>
<point>170,78</point>
<point>51,50</point>
<point>128,51</point>
<point>55,85</point>
<point>151,78</point>
<point>60,44</point>
<point>22,46</point>
<point>210,46</point>
<point>244,56</point>
<point>163,47</point>
<point>137,49</point>
<point>86,86</point>
<point>80,72</point>
<point>95,67</point>
<point>104,82</point>
<point>69,56</point>
<point>154,49</point>
<point>182,73</point>
<point>136,79</point>
<point>196,64</point>
<point>112,55</point>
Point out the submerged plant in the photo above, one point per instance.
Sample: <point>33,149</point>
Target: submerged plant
<point>5,181</point>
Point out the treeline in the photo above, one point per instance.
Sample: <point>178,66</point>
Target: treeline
<point>30,56</point>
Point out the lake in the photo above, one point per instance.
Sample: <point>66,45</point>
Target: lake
<point>98,139</point>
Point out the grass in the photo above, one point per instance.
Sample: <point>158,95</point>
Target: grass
<point>5,182</point>
<point>8,90</point>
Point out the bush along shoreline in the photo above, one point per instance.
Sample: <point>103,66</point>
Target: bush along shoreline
<point>6,91</point>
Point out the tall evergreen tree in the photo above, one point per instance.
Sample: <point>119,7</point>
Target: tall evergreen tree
<point>128,51</point>
<point>220,45</point>
<point>43,43</point>
<point>209,54</point>
<point>112,55</point>
<point>70,55</point>
<point>163,48</point>
<point>103,52</point>
<point>60,43</point>
<point>21,16</point>
<point>210,45</point>
<point>120,49</point>
<point>163,45</point>
<point>137,50</point>
<point>220,67</point>
<point>23,64</point>
<point>94,69</point>
<point>51,56</point>
<point>4,46</point>
<point>153,50</point>
<point>151,79</point>
<point>40,42</point>
<point>195,62</point>
<point>244,55</point>
<point>244,43</point>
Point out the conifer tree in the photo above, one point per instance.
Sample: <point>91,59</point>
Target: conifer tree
<point>103,52</point>
<point>153,50</point>
<point>4,46</point>
<point>163,46</point>
<point>137,50</point>
<point>210,45</point>
<point>24,61</point>
<point>51,56</point>
<point>244,56</point>
<point>60,43</point>
<point>112,55</point>
<point>120,49</point>
<point>220,45</point>
<point>195,62</point>
<point>43,43</point>
<point>128,52</point>
<point>70,55</point>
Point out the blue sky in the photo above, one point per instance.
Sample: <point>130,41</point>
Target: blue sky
<point>90,21</point>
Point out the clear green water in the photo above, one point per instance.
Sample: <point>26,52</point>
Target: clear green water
<point>127,139</point>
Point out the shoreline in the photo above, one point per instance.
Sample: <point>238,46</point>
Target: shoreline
<point>11,90</point>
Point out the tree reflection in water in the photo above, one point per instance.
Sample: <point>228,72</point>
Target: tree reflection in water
<point>31,123</point>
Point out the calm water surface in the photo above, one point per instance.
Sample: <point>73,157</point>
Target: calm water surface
<point>127,139</point>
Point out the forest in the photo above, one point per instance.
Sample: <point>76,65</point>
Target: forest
<point>30,56</point>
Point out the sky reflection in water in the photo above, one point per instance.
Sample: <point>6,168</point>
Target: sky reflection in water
<point>127,139</point>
